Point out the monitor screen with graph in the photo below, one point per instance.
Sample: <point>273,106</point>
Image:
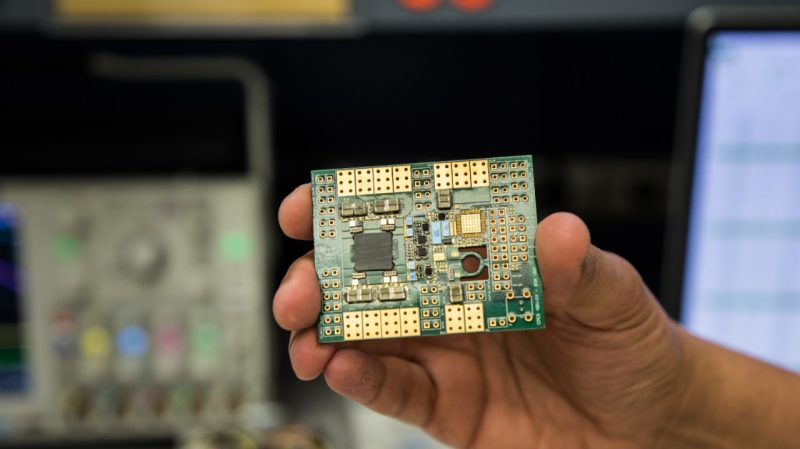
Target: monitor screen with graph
<point>741,265</point>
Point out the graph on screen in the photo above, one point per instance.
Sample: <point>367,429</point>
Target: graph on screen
<point>742,279</point>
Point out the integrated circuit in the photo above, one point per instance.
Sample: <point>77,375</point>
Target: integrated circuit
<point>423,249</point>
<point>372,251</point>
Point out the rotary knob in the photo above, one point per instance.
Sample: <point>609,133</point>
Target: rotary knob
<point>143,257</point>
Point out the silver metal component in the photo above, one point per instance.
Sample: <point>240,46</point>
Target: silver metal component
<point>391,293</point>
<point>387,206</point>
<point>456,293</point>
<point>444,199</point>
<point>353,209</point>
<point>354,295</point>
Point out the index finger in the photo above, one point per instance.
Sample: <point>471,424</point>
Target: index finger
<point>294,215</point>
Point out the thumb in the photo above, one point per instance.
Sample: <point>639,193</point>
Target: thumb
<point>596,288</point>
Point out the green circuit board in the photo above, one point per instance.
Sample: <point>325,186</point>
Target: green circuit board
<point>422,249</point>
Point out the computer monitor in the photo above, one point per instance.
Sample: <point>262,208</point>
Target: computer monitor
<point>737,279</point>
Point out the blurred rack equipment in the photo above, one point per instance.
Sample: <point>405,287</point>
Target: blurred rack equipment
<point>135,305</point>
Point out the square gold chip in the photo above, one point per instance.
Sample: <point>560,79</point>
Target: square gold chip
<point>470,223</point>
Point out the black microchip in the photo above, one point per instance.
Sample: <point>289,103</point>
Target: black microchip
<point>428,271</point>
<point>373,252</point>
<point>425,227</point>
<point>421,239</point>
<point>422,252</point>
<point>442,215</point>
<point>447,240</point>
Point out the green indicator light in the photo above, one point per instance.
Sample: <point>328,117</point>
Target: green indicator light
<point>66,248</point>
<point>235,246</point>
<point>204,338</point>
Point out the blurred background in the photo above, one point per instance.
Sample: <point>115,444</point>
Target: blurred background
<point>145,147</point>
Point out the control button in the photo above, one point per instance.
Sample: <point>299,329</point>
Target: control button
<point>75,403</point>
<point>64,321</point>
<point>181,401</point>
<point>204,362</point>
<point>235,400</point>
<point>420,5</point>
<point>205,339</point>
<point>95,342</point>
<point>66,247</point>
<point>169,345</point>
<point>133,341</point>
<point>64,338</point>
<point>235,246</point>
<point>106,401</point>
<point>199,401</point>
<point>473,5</point>
<point>145,401</point>
<point>143,257</point>
<point>169,340</point>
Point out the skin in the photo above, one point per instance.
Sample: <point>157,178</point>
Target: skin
<point>610,371</point>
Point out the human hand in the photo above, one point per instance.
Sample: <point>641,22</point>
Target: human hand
<point>607,371</point>
<point>610,371</point>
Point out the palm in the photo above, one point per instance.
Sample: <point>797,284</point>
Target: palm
<point>526,389</point>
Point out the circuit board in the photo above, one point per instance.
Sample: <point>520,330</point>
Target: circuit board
<point>423,249</point>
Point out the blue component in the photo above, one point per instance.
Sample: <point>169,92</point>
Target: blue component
<point>412,265</point>
<point>412,276</point>
<point>436,232</point>
<point>133,341</point>
<point>409,221</point>
<point>445,229</point>
<point>409,232</point>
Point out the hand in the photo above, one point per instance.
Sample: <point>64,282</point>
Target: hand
<point>610,371</point>
<point>605,373</point>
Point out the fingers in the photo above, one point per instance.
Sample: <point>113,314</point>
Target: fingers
<point>294,215</point>
<point>597,288</point>
<point>389,385</point>
<point>296,308</point>
<point>562,245</point>
<point>296,303</point>
<point>307,355</point>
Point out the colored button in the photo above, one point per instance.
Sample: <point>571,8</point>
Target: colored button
<point>181,399</point>
<point>95,342</point>
<point>169,339</point>
<point>64,322</point>
<point>66,248</point>
<point>420,5</point>
<point>235,246</point>
<point>204,338</point>
<point>472,5</point>
<point>133,341</point>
